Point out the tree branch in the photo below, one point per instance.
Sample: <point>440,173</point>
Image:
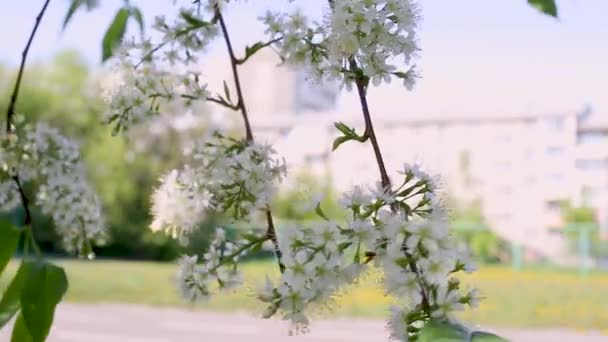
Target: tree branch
<point>235,74</point>
<point>361,83</point>
<point>11,106</point>
<point>11,110</point>
<point>234,62</point>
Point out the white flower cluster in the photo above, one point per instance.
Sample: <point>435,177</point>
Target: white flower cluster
<point>219,265</point>
<point>315,268</point>
<point>149,78</point>
<point>135,95</point>
<point>226,174</point>
<point>359,38</point>
<point>53,161</point>
<point>406,234</point>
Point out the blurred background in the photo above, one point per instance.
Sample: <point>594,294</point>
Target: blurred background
<point>511,111</point>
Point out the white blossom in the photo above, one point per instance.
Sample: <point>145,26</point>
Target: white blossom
<point>44,155</point>
<point>177,206</point>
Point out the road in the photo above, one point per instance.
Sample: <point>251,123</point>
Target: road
<point>133,323</point>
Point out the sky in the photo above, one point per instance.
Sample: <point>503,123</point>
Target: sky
<point>478,57</point>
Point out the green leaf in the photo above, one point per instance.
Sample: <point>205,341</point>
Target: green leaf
<point>115,33</point>
<point>227,92</point>
<point>74,6</point>
<point>192,20</point>
<point>320,212</point>
<point>20,332</point>
<point>9,239</point>
<point>44,287</point>
<point>442,331</point>
<point>251,50</point>
<point>10,304</point>
<point>482,336</point>
<point>135,13</point>
<point>547,7</point>
<point>345,129</point>
<point>256,248</point>
<point>339,141</point>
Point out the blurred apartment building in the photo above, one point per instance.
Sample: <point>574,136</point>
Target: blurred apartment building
<point>519,167</point>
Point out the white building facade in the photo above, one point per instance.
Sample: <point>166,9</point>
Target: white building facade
<point>520,167</point>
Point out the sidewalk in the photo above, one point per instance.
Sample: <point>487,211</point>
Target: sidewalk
<point>134,323</point>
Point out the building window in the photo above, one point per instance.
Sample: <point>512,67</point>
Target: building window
<point>555,177</point>
<point>593,137</point>
<point>314,97</point>
<point>555,124</point>
<point>590,164</point>
<point>555,150</point>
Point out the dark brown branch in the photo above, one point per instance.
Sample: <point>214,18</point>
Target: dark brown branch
<point>235,74</point>
<point>11,106</point>
<point>369,131</point>
<point>271,231</point>
<point>361,83</point>
<point>26,203</point>
<point>11,110</point>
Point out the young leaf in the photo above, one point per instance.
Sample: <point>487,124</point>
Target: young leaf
<point>44,287</point>
<point>547,7</point>
<point>74,6</point>
<point>192,20</point>
<point>320,212</point>
<point>135,12</point>
<point>227,92</point>
<point>347,131</point>
<point>339,141</point>
<point>115,33</point>
<point>9,305</point>
<point>9,238</point>
<point>442,331</point>
<point>251,50</point>
<point>20,332</point>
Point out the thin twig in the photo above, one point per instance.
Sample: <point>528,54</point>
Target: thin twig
<point>235,74</point>
<point>271,231</point>
<point>386,182</point>
<point>11,112</point>
<point>369,130</point>
<point>11,107</point>
<point>24,200</point>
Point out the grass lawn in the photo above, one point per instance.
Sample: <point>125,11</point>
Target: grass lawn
<point>528,298</point>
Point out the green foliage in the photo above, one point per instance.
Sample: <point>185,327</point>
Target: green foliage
<point>582,228</point>
<point>44,288</point>
<point>10,303</point>
<point>547,7</point>
<point>470,227</point>
<point>9,238</point>
<point>444,331</point>
<point>20,332</point>
<point>36,289</point>
<point>115,33</point>
<point>117,28</point>
<point>348,134</point>
<point>75,5</point>
<point>572,214</point>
